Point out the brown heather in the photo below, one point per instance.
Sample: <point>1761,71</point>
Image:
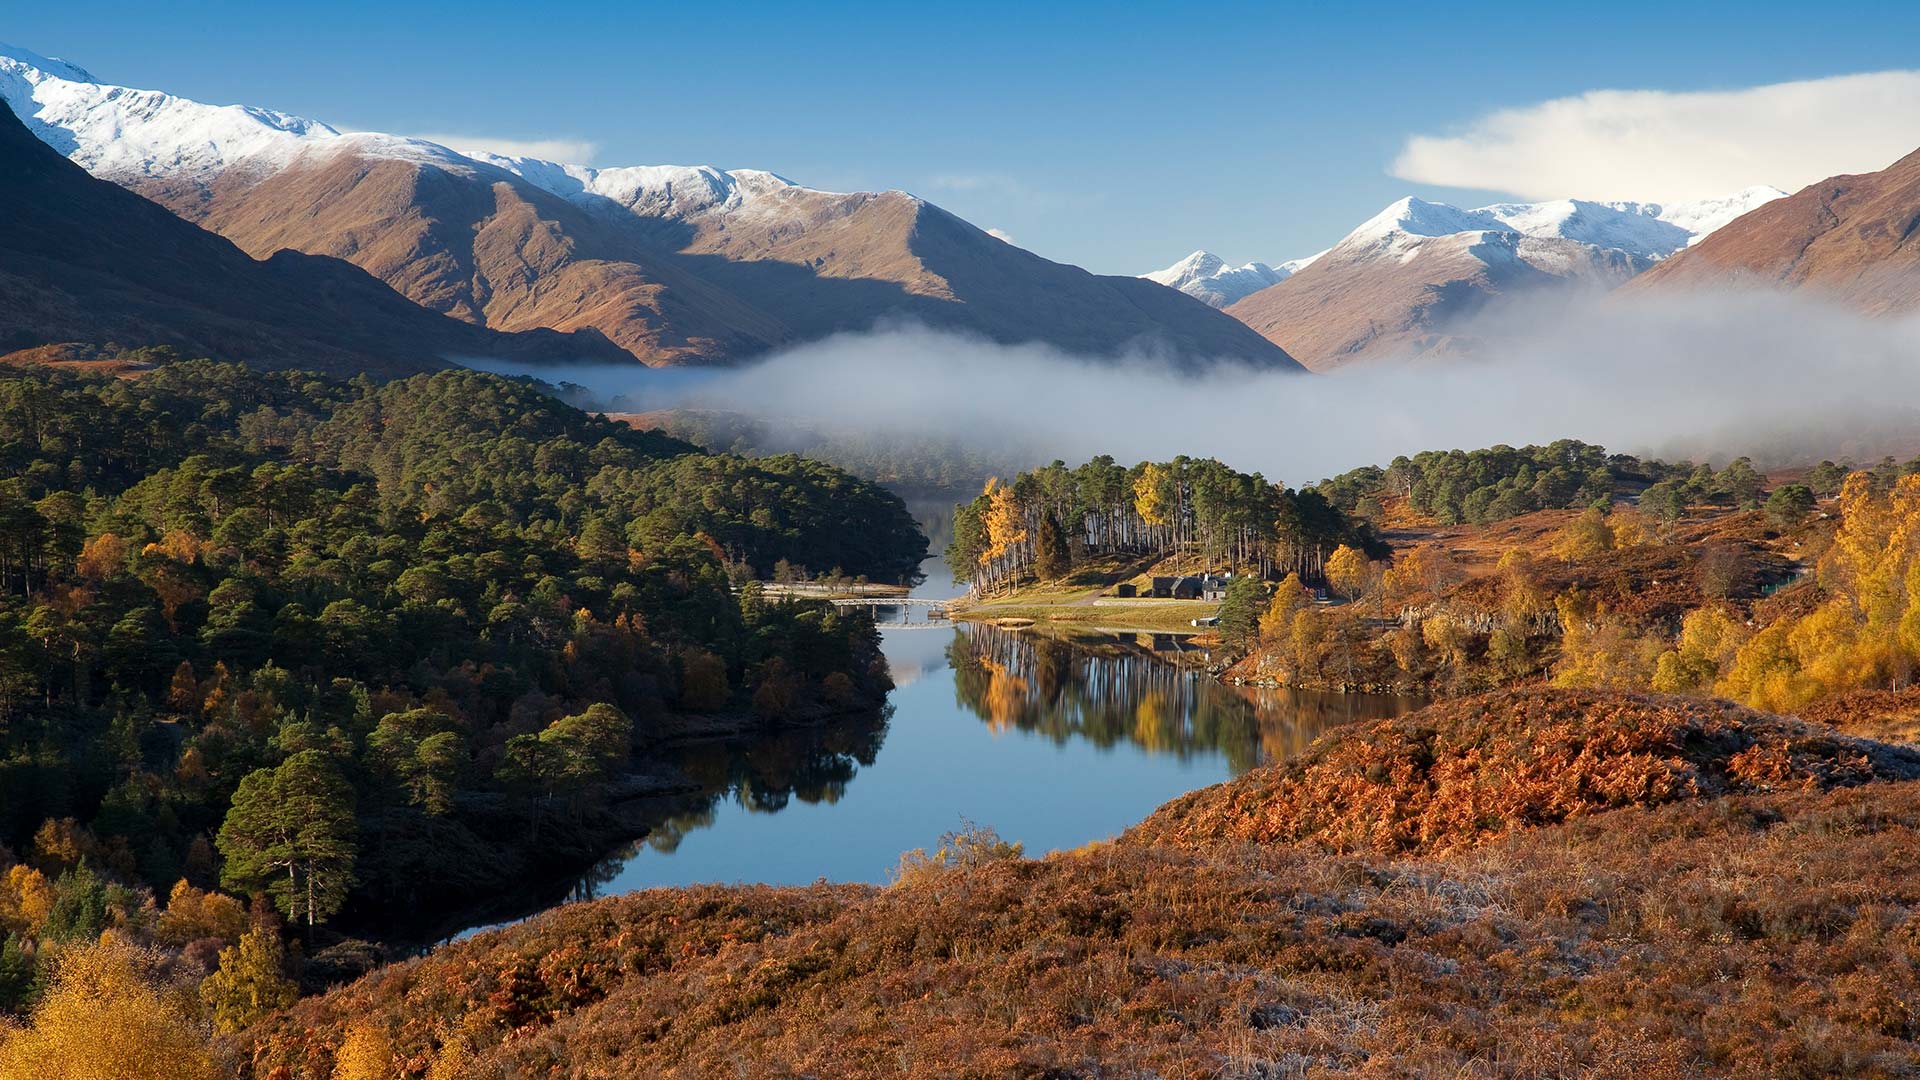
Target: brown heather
<point>1449,775</point>
<point>1764,921</point>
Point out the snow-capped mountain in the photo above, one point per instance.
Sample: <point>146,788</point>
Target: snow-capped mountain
<point>1207,277</point>
<point>85,261</point>
<point>121,133</point>
<point>672,264</point>
<point>1398,284</point>
<point>1707,216</point>
<point>1640,230</point>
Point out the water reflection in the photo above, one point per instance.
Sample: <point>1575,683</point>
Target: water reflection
<point>1053,741</point>
<point>1110,688</point>
<point>759,776</point>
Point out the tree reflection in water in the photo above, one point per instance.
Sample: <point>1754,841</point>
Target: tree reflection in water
<point>1103,690</point>
<point>1110,688</point>
<point>762,774</point>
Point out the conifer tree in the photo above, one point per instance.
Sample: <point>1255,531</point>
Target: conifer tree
<point>290,833</point>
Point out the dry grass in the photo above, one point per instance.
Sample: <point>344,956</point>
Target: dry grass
<point>1887,715</point>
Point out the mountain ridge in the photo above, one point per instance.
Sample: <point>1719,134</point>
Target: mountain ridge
<point>85,260</point>
<point>673,264</point>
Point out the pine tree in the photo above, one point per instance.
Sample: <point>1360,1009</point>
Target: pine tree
<point>290,833</point>
<point>1240,612</point>
<point>1051,558</point>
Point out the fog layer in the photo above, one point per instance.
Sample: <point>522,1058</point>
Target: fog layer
<point>1782,379</point>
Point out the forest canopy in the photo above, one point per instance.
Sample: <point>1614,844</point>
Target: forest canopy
<point>249,619</point>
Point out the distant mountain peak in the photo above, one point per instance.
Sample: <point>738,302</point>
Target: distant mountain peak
<point>117,132</point>
<point>1404,281</point>
<point>1702,217</point>
<point>1417,217</point>
<point>1208,278</point>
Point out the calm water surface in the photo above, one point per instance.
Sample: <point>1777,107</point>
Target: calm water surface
<point>1053,742</point>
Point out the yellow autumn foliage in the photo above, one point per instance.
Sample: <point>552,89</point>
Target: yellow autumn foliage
<point>365,1054</point>
<point>106,1017</point>
<point>1599,648</point>
<point>1867,633</point>
<point>1349,570</point>
<point>1147,501</point>
<point>26,897</point>
<point>1709,640</point>
<point>1277,621</point>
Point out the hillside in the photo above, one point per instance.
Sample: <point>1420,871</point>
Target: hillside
<point>1847,238</point>
<point>671,264</point>
<point>84,260</point>
<point>1728,924</point>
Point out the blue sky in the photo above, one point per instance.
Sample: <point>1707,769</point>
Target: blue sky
<point>1116,137</point>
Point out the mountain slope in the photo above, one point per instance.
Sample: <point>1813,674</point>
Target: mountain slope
<point>1849,238</point>
<point>673,264</point>
<point>1400,284</point>
<point>1397,293</point>
<point>84,260</point>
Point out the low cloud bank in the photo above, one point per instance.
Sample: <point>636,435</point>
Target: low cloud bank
<point>1707,377</point>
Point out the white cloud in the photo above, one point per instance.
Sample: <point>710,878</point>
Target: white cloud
<point>1002,235</point>
<point>1670,147</point>
<point>565,151</point>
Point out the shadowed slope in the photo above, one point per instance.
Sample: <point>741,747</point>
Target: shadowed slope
<point>84,260</point>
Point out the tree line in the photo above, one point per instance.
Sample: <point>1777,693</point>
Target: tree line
<point>1500,482</point>
<point>1046,521</point>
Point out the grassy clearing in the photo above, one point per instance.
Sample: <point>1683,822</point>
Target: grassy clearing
<point>1121,615</point>
<point>1084,598</point>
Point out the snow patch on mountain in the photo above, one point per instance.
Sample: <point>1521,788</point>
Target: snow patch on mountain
<point>121,133</point>
<point>1648,231</point>
<point>1638,234</point>
<point>653,191</point>
<point>117,131</point>
<point>1207,277</point>
<point>1703,217</point>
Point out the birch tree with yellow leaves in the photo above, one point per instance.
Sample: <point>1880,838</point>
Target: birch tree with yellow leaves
<point>1866,635</point>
